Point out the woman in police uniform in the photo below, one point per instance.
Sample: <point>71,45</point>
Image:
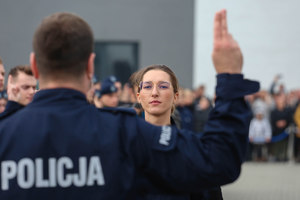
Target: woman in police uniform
<point>157,93</point>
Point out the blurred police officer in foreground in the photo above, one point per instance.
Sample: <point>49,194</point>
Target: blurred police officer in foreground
<point>61,147</point>
<point>107,96</point>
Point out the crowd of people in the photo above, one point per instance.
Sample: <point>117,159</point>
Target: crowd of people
<point>275,123</point>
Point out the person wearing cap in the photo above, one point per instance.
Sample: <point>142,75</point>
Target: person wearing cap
<point>107,96</point>
<point>61,147</point>
<point>96,85</point>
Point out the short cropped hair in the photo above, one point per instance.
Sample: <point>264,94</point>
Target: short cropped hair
<point>1,62</point>
<point>62,45</point>
<point>14,72</point>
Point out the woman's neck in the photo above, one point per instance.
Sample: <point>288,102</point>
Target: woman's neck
<point>160,120</point>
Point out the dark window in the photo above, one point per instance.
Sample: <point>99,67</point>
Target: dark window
<point>116,58</point>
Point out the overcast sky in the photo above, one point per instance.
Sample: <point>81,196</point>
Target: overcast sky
<point>268,32</point>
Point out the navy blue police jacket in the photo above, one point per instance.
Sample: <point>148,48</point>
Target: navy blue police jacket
<point>60,147</point>
<point>10,108</point>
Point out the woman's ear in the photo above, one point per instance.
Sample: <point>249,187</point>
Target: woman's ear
<point>176,97</point>
<point>138,97</point>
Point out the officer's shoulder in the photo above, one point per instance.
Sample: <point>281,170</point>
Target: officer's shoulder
<point>118,110</point>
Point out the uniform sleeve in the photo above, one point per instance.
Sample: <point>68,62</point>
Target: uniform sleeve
<point>180,160</point>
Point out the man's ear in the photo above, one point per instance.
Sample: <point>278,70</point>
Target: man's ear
<point>90,66</point>
<point>33,65</point>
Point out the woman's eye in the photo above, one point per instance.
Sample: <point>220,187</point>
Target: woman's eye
<point>163,87</point>
<point>147,87</point>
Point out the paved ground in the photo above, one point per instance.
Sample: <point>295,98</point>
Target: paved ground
<point>265,181</point>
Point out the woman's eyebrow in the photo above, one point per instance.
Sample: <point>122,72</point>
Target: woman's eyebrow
<point>148,82</point>
<point>159,82</point>
<point>163,82</point>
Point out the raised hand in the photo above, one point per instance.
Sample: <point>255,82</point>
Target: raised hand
<point>13,91</point>
<point>227,56</point>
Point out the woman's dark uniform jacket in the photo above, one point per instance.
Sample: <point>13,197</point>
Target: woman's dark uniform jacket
<point>60,134</point>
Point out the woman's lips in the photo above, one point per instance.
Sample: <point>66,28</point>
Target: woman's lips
<point>155,102</point>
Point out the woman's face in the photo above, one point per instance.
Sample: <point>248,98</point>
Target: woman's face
<point>157,93</point>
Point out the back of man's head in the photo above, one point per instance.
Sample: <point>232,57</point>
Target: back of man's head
<point>62,45</point>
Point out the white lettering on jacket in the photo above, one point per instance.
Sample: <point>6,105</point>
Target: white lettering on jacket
<point>30,173</point>
<point>165,135</point>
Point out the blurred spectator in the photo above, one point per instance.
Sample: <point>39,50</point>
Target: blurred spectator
<point>184,106</point>
<point>201,113</point>
<point>3,100</point>
<point>2,75</point>
<point>199,92</point>
<point>108,95</point>
<point>189,98</point>
<point>262,102</point>
<point>281,118</point>
<point>96,85</point>
<point>277,87</point>
<point>297,135</point>
<point>21,85</point>
<point>293,99</point>
<point>128,97</point>
<point>260,134</point>
<point>118,85</point>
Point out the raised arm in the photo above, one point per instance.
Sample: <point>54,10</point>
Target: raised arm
<point>227,56</point>
<point>185,161</point>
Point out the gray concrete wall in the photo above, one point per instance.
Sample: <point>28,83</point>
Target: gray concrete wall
<point>164,28</point>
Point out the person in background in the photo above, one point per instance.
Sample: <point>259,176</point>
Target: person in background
<point>21,87</point>
<point>118,85</point>
<point>201,113</point>
<point>131,94</point>
<point>107,96</point>
<point>183,105</point>
<point>2,75</point>
<point>127,97</point>
<point>277,87</point>
<point>263,102</point>
<point>3,93</point>
<point>96,85</point>
<point>297,135</point>
<point>260,134</point>
<point>199,92</point>
<point>3,100</point>
<point>280,118</point>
